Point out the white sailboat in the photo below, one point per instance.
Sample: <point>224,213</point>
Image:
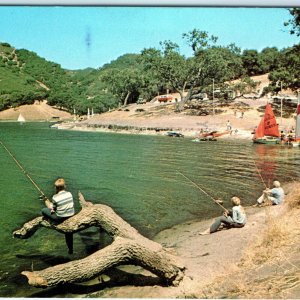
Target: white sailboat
<point>21,119</point>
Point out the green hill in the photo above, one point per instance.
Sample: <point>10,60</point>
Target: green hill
<point>16,86</point>
<point>26,77</point>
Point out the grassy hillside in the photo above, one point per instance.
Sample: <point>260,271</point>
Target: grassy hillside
<point>16,86</point>
<point>26,77</point>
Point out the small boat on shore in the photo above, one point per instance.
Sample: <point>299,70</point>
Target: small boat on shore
<point>55,125</point>
<point>210,136</point>
<point>63,125</point>
<point>215,133</point>
<point>205,139</point>
<point>174,134</point>
<point>267,131</point>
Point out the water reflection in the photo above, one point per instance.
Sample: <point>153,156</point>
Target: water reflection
<point>266,161</point>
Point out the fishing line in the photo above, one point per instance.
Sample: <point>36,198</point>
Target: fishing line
<point>22,169</point>
<point>203,191</point>
<point>262,180</point>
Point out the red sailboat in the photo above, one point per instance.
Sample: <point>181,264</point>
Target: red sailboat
<point>267,131</point>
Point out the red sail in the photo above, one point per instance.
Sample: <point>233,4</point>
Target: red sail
<point>271,126</point>
<point>268,125</point>
<point>260,130</point>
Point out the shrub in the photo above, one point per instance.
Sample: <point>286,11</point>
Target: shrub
<point>5,45</point>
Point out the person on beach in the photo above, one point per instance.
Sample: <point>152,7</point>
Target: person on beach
<point>236,218</point>
<point>254,130</point>
<point>272,196</point>
<point>60,208</point>
<point>228,125</point>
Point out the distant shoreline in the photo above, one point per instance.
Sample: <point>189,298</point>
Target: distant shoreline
<point>190,133</point>
<point>155,119</point>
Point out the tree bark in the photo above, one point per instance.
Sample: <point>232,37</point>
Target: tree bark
<point>126,99</point>
<point>128,247</point>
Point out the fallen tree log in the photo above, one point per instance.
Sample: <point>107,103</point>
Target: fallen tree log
<point>128,247</point>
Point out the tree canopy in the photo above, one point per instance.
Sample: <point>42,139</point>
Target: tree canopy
<point>294,22</point>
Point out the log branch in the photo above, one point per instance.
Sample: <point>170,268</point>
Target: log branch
<point>128,247</point>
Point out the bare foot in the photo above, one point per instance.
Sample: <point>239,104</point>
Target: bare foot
<point>204,232</point>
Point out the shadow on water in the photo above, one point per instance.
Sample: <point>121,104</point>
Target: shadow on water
<point>94,240</point>
<point>49,260</point>
<point>116,278</point>
<point>18,280</point>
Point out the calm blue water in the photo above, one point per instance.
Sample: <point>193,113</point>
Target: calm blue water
<point>135,175</point>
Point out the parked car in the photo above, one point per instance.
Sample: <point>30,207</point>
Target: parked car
<point>200,96</point>
<point>164,98</point>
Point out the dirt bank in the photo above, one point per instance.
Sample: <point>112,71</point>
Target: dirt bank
<point>39,111</point>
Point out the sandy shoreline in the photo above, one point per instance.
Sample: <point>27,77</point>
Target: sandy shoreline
<point>187,132</point>
<point>205,257</point>
<point>158,119</point>
<point>154,119</point>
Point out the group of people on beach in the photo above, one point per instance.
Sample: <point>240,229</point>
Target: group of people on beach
<point>242,112</point>
<point>61,207</point>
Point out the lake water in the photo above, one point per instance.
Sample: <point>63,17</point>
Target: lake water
<point>138,176</point>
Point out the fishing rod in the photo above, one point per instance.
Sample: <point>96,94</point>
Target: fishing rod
<point>259,173</point>
<point>23,170</point>
<point>198,187</point>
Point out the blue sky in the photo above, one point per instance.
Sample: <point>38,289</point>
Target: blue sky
<point>80,37</point>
